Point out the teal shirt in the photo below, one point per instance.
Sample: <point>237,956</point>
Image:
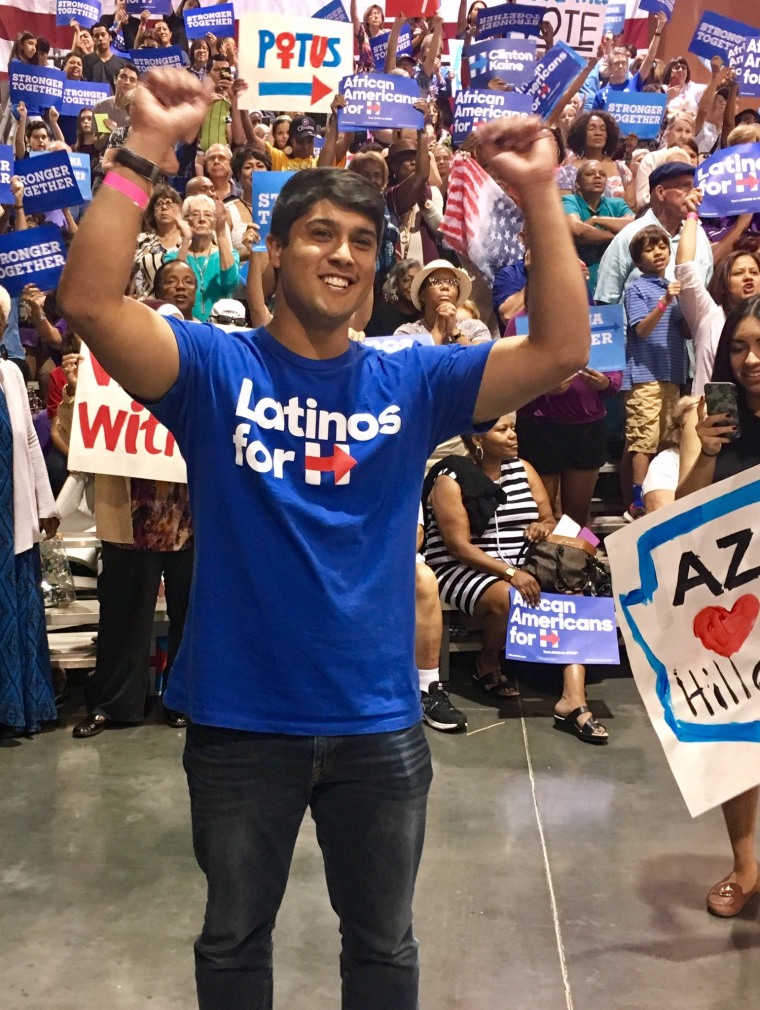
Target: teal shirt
<point>213,282</point>
<point>609,206</point>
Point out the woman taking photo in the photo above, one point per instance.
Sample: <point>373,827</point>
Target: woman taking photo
<point>711,450</point>
<point>482,511</point>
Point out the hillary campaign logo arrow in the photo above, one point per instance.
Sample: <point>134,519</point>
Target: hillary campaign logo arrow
<point>551,638</point>
<point>339,464</point>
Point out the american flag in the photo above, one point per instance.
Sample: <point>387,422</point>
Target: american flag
<point>480,220</point>
<point>36,16</point>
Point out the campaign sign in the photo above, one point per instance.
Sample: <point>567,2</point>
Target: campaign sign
<point>78,95</point>
<point>136,7</point>
<point>579,23</point>
<point>562,629</point>
<point>334,11</point>
<point>49,182</point>
<point>551,76</point>
<point>266,189</point>
<point>686,581</point>
<point>411,8</point>
<point>456,48</point>
<point>85,12</point>
<point>294,62</point>
<point>35,256</point>
<point>749,67</point>
<point>146,59</point>
<point>658,7</point>
<point>607,324</point>
<point>730,181</point>
<point>614,19</point>
<point>509,18</point>
<point>112,433</point>
<point>81,166</point>
<point>375,101</point>
<point>637,112</point>
<point>511,60</point>
<point>39,87</point>
<point>220,21</point>
<point>379,46</point>
<point>717,36</point>
<point>399,342</point>
<point>475,107</point>
<point>6,172</point>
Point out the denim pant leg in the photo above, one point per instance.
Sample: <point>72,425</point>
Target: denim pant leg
<point>369,808</point>
<point>248,795</point>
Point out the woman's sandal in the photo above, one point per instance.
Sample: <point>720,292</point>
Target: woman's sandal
<point>589,732</point>
<point>497,683</point>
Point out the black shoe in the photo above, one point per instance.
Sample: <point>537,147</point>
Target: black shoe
<point>91,725</point>
<point>438,712</point>
<point>174,719</point>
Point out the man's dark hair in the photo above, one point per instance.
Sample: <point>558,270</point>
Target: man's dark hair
<point>242,154</point>
<point>36,124</point>
<point>645,238</point>
<point>345,189</point>
<point>43,46</point>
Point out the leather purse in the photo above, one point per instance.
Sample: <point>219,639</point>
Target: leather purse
<point>566,565</point>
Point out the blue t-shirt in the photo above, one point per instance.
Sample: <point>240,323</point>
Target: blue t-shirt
<point>662,356</point>
<point>602,97</point>
<point>305,479</point>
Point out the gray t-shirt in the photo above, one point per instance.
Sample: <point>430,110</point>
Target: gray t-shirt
<point>472,328</point>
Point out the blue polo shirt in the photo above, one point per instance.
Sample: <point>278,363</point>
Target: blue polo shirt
<point>662,356</point>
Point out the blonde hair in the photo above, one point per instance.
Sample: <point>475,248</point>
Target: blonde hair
<point>470,308</point>
<point>674,426</point>
<point>745,133</point>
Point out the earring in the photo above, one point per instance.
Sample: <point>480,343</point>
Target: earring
<point>478,453</point>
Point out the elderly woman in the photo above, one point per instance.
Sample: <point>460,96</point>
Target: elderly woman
<point>396,306</point>
<point>216,267</point>
<point>26,508</point>
<point>482,511</point>
<point>370,26</point>
<point>437,291</point>
<point>161,234</point>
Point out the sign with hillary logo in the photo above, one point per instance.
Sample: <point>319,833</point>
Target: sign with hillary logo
<point>473,108</point>
<point>375,101</point>
<point>730,181</point>
<point>716,35</point>
<point>307,437</point>
<point>294,62</point>
<point>562,629</point>
<point>686,581</point>
<point>511,60</point>
<point>509,18</point>
<point>551,76</point>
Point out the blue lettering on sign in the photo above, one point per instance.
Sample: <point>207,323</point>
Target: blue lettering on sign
<point>35,256</point>
<point>319,50</point>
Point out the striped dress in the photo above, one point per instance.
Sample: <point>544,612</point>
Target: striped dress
<point>461,586</point>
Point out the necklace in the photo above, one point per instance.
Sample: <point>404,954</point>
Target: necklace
<point>201,268</point>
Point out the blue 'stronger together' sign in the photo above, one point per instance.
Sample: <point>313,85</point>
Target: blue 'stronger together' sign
<point>562,629</point>
<point>146,59</point>
<point>717,36</point>
<point>379,46</point>
<point>637,112</point>
<point>266,189</point>
<point>334,11</point>
<point>36,256</point>
<point>36,86</point>
<point>78,95</point>
<point>730,181</point>
<point>220,21</point>
<point>375,101</point>
<point>84,12</point>
<point>475,107</point>
<point>509,17</point>
<point>49,182</point>
<point>511,60</point>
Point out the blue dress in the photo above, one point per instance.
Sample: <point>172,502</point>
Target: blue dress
<point>26,692</point>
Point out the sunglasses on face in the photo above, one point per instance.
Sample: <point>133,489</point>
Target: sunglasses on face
<point>436,282</point>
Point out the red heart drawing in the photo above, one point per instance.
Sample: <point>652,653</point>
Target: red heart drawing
<point>725,631</point>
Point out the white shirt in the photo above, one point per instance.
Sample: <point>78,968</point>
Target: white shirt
<point>662,474</point>
<point>705,319</point>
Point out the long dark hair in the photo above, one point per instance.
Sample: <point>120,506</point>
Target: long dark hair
<point>722,371</point>
<point>718,286</point>
<point>16,50</point>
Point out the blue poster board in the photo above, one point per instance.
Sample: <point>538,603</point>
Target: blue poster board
<point>614,19</point>
<point>749,67</point>
<point>85,12</point>
<point>637,112</point>
<point>562,629</point>
<point>730,181</point>
<point>49,182</point>
<point>475,107</point>
<point>658,7</point>
<point>39,87</point>
<point>509,18</point>
<point>607,324</point>
<point>334,11</point>
<point>136,7</point>
<point>78,95</point>
<point>552,74</point>
<point>35,256</point>
<point>376,101</point>
<point>266,189</point>
<point>6,173</point>
<point>717,36</point>
<point>512,60</point>
<point>220,21</point>
<point>81,166</point>
<point>146,59</point>
<point>379,46</point>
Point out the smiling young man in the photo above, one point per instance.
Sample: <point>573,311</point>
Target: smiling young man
<point>305,457</point>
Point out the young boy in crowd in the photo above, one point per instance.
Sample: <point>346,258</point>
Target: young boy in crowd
<point>655,351</point>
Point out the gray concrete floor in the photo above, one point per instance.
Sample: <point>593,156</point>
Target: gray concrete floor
<point>556,875</point>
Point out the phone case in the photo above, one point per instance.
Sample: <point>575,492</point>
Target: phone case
<point>720,398</point>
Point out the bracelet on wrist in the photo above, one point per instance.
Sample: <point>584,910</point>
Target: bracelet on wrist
<point>710,455</point>
<point>662,305</point>
<point>692,216</point>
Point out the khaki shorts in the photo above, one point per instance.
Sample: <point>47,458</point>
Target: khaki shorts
<point>647,409</point>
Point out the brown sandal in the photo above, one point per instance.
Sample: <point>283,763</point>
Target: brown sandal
<point>497,683</point>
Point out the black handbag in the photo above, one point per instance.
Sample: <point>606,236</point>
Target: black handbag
<point>566,565</point>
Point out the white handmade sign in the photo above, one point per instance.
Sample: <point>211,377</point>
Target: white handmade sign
<point>686,581</point>
<point>579,23</point>
<point>112,433</point>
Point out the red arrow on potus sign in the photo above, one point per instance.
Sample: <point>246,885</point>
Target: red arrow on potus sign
<point>318,90</point>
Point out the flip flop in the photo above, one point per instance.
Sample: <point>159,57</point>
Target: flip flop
<point>586,732</point>
<point>497,683</point>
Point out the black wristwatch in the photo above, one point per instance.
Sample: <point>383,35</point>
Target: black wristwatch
<point>140,166</point>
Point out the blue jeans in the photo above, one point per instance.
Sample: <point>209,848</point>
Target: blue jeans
<point>367,795</point>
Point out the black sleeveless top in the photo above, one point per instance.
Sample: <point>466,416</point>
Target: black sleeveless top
<point>743,452</point>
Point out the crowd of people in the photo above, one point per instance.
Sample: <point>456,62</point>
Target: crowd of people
<point>595,217</point>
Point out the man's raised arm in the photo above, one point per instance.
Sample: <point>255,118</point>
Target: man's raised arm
<point>135,345</point>
<point>522,157</point>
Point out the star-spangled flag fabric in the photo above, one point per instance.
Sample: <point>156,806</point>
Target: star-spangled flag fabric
<point>481,221</point>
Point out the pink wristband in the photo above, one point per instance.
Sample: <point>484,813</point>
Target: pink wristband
<point>662,305</point>
<point>692,216</point>
<point>138,196</point>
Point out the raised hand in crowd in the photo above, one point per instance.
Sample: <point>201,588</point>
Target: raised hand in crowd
<point>34,300</point>
<point>167,107</point>
<point>17,191</point>
<point>674,290</point>
<point>70,366</point>
<point>547,33</point>
<point>520,154</point>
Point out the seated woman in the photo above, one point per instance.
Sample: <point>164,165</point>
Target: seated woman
<point>481,510</point>
<point>215,266</point>
<point>437,291</point>
<point>661,481</point>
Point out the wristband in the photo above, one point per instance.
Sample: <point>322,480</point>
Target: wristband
<point>661,305</point>
<point>115,181</point>
<point>710,455</point>
<point>137,164</point>
<point>692,216</point>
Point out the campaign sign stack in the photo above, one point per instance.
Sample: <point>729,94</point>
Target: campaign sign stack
<point>376,101</point>
<point>511,60</point>
<point>509,18</point>
<point>475,107</point>
<point>220,21</point>
<point>35,256</point>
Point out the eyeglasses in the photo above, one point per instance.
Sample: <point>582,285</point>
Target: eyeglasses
<point>436,282</point>
<point>164,201</point>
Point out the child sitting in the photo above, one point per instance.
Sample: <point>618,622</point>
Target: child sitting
<point>656,357</point>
